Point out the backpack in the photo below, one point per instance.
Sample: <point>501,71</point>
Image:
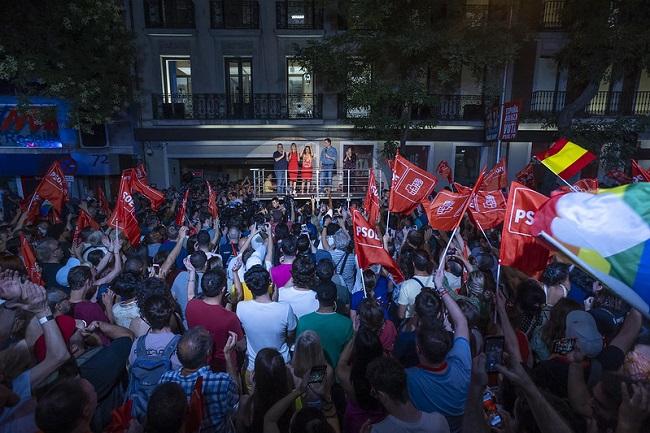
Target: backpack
<point>145,373</point>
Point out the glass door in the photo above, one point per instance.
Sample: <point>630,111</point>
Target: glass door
<point>300,90</point>
<point>239,87</point>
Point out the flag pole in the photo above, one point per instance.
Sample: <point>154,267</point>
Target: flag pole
<point>444,253</point>
<point>557,175</point>
<point>482,231</point>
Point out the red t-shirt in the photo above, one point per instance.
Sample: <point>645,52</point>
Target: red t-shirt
<point>218,321</point>
<point>88,311</point>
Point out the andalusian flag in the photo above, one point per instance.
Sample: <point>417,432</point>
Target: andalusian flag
<point>607,234</point>
<point>565,158</point>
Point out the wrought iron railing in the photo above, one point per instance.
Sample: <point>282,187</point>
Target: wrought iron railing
<point>602,104</point>
<point>173,14</point>
<point>443,107</point>
<point>299,15</point>
<point>217,106</point>
<point>552,13</point>
<point>238,14</point>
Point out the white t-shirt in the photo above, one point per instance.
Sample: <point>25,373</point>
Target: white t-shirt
<point>428,423</point>
<point>410,289</point>
<point>266,325</point>
<point>302,301</point>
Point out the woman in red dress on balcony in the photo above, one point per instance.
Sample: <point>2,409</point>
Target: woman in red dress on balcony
<point>306,172</point>
<point>293,158</point>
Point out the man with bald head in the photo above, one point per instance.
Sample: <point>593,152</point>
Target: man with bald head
<point>220,390</point>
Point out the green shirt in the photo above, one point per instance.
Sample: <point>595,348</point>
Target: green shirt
<point>333,329</point>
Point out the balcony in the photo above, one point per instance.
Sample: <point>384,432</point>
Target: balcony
<point>445,107</point>
<point>603,104</point>
<point>552,15</point>
<point>234,14</point>
<point>298,15</point>
<point>169,14</point>
<point>217,106</point>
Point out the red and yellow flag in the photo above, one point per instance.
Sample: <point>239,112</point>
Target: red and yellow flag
<point>565,158</point>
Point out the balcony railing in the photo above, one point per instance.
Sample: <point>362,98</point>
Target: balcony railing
<point>171,14</point>
<point>444,107</point>
<point>234,14</point>
<point>603,104</point>
<point>552,15</point>
<point>217,106</point>
<point>298,15</point>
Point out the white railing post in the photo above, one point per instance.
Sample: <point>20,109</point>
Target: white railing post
<point>348,195</point>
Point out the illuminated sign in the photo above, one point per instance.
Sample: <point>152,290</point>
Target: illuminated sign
<point>41,123</point>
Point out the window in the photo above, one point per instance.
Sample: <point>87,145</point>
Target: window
<point>239,87</point>
<point>298,15</point>
<point>466,164</point>
<point>169,13</point>
<point>234,14</point>
<point>300,90</point>
<point>176,87</point>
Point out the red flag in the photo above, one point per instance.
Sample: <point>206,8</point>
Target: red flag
<point>496,178</point>
<point>53,188</point>
<point>123,217</point>
<point>212,202</point>
<point>140,185</point>
<point>101,200</point>
<point>29,260</point>
<point>519,246</point>
<point>141,172</point>
<point>446,210</point>
<point>180,215</point>
<point>639,174</point>
<point>583,185</point>
<point>619,176</point>
<point>487,209</point>
<point>83,220</point>
<point>410,186</point>
<point>195,411</point>
<point>120,418</point>
<point>370,248</point>
<point>371,202</point>
<point>445,171</point>
<point>526,176</point>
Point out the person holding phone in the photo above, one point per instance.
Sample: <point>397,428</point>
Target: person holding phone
<point>309,360</point>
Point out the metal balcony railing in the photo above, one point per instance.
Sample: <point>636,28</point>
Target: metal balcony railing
<point>171,14</point>
<point>234,14</point>
<point>445,107</point>
<point>603,104</point>
<point>298,15</point>
<point>345,184</point>
<point>217,106</point>
<point>552,15</point>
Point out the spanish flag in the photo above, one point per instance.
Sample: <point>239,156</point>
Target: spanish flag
<point>565,158</point>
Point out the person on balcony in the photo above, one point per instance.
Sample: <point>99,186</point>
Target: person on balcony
<point>328,157</point>
<point>349,169</point>
<point>307,169</point>
<point>293,158</point>
<point>280,165</point>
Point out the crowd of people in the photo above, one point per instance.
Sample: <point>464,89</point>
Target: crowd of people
<point>261,321</point>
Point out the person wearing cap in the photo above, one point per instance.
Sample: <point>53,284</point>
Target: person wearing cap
<point>334,330</point>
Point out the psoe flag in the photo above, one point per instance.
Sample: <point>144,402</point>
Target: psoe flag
<point>607,234</point>
<point>565,158</point>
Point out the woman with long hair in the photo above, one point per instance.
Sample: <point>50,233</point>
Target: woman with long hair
<point>307,169</point>
<point>309,354</point>
<point>271,383</point>
<point>351,373</point>
<point>293,158</point>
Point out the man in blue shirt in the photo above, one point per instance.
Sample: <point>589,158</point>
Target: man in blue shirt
<point>328,157</point>
<point>440,382</point>
<point>280,166</point>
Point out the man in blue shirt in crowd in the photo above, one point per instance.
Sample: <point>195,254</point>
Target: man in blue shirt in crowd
<point>328,157</point>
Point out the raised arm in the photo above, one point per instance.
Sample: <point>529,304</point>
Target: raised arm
<point>191,280</point>
<point>173,254</point>
<point>111,331</point>
<point>455,313</point>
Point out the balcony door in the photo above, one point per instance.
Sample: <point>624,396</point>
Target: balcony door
<point>300,90</point>
<point>176,86</point>
<point>239,87</point>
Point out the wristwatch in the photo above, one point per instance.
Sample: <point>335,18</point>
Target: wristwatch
<point>43,320</point>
